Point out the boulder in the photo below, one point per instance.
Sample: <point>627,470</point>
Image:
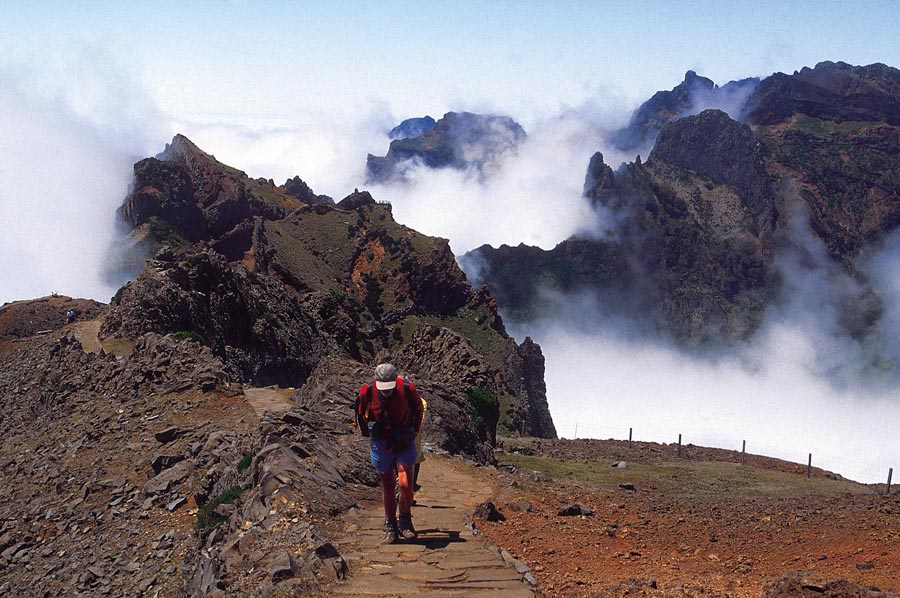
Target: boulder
<point>169,478</point>
<point>575,510</point>
<point>488,512</point>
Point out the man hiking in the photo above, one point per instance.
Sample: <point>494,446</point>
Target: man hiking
<point>389,411</point>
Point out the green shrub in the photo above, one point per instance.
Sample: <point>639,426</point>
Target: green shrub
<point>117,298</point>
<point>194,260</point>
<point>207,519</point>
<point>485,407</point>
<point>187,335</point>
<point>245,462</point>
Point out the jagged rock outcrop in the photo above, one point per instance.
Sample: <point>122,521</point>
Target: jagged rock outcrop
<point>412,127</point>
<point>304,193</point>
<point>526,364</point>
<point>459,140</point>
<point>250,322</point>
<point>691,96</point>
<point>698,226</point>
<point>184,194</point>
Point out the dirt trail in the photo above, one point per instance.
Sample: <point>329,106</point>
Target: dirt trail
<point>87,334</point>
<point>446,560</point>
<point>269,398</point>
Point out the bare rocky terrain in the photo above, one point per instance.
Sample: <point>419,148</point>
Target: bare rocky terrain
<point>697,525</point>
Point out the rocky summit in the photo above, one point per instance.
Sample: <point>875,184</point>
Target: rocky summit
<point>137,457</point>
<point>459,140</point>
<point>698,229</point>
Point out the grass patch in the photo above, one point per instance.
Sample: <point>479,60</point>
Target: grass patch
<point>207,519</point>
<point>474,326</point>
<point>245,462</point>
<point>686,477</point>
<point>811,125</point>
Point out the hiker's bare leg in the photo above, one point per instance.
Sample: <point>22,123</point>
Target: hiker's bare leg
<point>404,480</point>
<point>388,494</point>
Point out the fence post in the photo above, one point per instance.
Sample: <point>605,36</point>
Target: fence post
<point>809,467</point>
<point>629,437</point>
<point>890,475</point>
<point>743,452</point>
<point>679,445</point>
<point>576,430</point>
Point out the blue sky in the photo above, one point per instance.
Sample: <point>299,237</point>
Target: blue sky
<point>309,88</point>
<point>278,59</point>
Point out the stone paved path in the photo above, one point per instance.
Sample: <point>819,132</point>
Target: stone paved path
<point>447,559</point>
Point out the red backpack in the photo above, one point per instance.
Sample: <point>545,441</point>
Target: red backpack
<point>376,428</point>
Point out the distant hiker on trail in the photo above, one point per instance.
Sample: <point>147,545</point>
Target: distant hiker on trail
<point>70,316</point>
<point>389,411</point>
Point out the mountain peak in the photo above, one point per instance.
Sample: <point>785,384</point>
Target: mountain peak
<point>459,140</point>
<point>829,90</point>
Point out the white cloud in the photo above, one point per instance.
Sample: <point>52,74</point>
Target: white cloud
<point>65,166</point>
<point>801,385</point>
<point>532,196</point>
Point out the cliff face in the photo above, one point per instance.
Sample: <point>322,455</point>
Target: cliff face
<point>700,224</point>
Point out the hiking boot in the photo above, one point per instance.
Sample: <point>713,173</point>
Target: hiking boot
<point>406,527</point>
<point>390,531</point>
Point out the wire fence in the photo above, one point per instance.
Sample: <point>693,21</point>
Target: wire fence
<point>858,471</point>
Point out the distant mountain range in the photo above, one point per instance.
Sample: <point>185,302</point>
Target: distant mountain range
<point>701,223</point>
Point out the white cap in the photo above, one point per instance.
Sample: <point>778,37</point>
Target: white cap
<point>385,376</point>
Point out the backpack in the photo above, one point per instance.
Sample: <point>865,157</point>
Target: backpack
<point>373,428</point>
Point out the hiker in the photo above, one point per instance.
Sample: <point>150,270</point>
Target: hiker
<point>389,411</point>
<point>421,453</point>
<point>70,316</point>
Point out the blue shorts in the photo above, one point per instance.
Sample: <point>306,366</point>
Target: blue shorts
<point>384,462</point>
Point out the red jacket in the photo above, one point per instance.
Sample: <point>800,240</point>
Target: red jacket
<point>398,406</point>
